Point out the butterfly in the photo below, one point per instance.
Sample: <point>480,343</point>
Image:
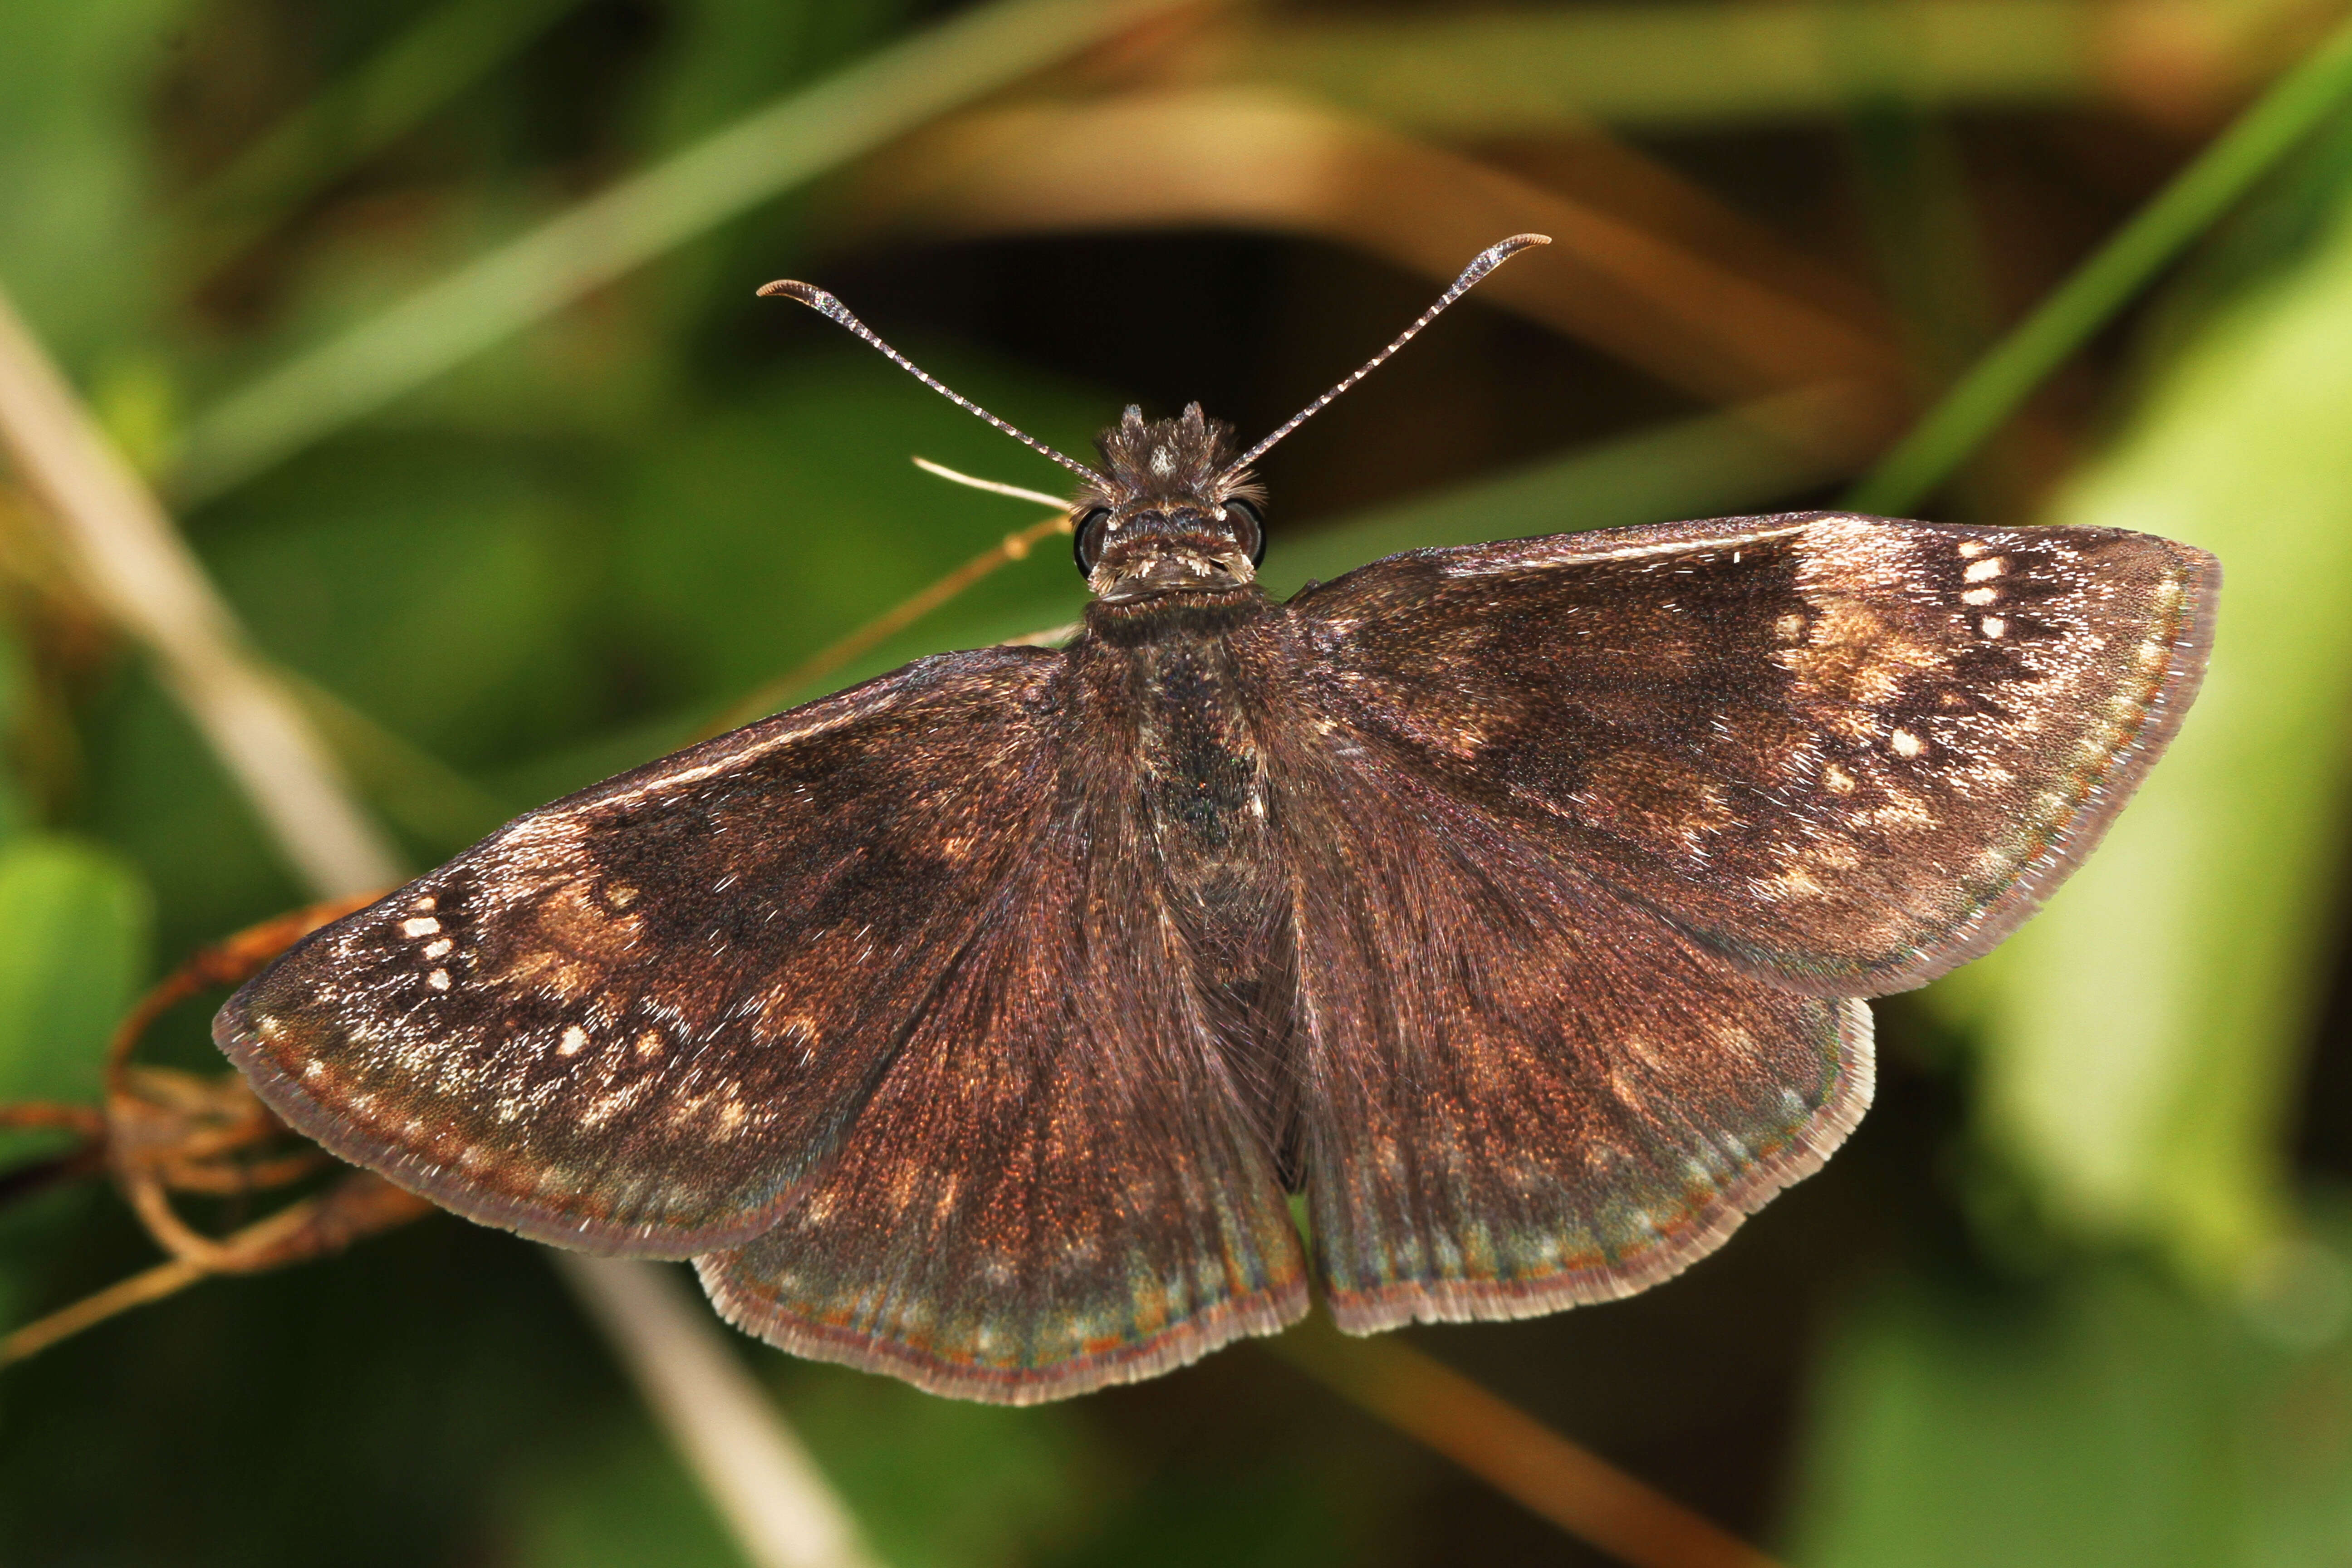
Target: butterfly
<point>1517,904</point>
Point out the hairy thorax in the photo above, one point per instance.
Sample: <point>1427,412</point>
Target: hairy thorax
<point>1180,687</point>
<point>1179,681</point>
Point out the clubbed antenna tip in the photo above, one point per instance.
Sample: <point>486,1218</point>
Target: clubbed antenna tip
<point>1494,256</point>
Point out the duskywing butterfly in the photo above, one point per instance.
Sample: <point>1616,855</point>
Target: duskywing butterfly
<point>1516,902</point>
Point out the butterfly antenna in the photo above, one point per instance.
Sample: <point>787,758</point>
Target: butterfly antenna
<point>1494,256</point>
<point>824,304</point>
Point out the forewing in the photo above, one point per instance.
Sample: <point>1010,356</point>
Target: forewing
<point>1521,1091</point>
<point>636,1019</point>
<point>1057,1185</point>
<point>1850,752</point>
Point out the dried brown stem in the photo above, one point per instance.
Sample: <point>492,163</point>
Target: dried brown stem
<point>137,565</point>
<point>30,1114</point>
<point>168,1131</point>
<point>1511,1451</point>
<point>360,1204</point>
<point>743,1452</point>
<point>151,1285</point>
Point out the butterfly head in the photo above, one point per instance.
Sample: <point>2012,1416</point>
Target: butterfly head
<point>1168,512</point>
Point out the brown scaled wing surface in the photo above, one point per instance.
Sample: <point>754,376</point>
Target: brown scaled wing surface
<point>1616,828</point>
<point>1581,849</point>
<point>845,982</point>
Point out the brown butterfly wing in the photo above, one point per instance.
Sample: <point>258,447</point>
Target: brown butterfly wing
<point>1849,751</point>
<point>1067,1177</point>
<point>635,1020</point>
<point>1595,839</point>
<point>1057,1185</point>
<point>1522,1091</point>
<point>853,978</point>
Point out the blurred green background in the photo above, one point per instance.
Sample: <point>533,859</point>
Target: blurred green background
<point>432,320</point>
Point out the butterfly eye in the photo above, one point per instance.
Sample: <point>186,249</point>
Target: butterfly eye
<point>1249,528</point>
<point>1084,542</point>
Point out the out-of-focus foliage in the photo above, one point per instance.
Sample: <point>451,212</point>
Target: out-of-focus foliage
<point>77,162</point>
<point>2147,1032</point>
<point>71,959</point>
<point>2105,1421</point>
<point>2075,1294</point>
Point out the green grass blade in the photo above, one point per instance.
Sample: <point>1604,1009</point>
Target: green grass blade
<point>2184,209</point>
<point>2142,1037</point>
<point>387,95</point>
<point>771,151</point>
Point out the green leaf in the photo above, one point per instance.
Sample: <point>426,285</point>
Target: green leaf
<point>73,951</point>
<point>939,1483</point>
<point>617,1501</point>
<point>2142,1036</point>
<point>74,86</point>
<point>2107,1421</point>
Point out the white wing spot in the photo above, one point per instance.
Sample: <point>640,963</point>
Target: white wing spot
<point>1906,743</point>
<point>1981,570</point>
<point>1994,626</point>
<point>424,925</point>
<point>438,980</point>
<point>1980,596</point>
<point>440,948</point>
<point>574,1041</point>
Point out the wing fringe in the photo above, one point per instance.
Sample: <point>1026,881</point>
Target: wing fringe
<point>1808,1148</point>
